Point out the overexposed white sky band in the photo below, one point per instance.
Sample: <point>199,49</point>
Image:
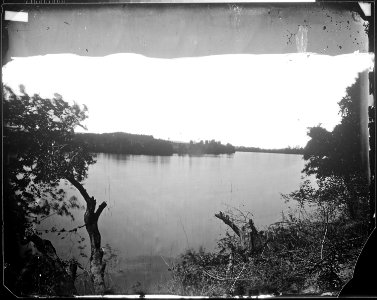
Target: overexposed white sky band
<point>265,101</point>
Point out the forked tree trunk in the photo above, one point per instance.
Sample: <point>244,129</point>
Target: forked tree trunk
<point>97,265</point>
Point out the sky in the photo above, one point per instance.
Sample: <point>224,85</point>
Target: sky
<point>257,100</point>
<point>250,75</point>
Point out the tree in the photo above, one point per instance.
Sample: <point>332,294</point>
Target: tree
<point>39,154</point>
<point>339,152</point>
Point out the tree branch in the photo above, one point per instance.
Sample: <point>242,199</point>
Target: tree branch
<point>44,246</point>
<point>100,208</point>
<point>80,187</point>
<point>225,218</point>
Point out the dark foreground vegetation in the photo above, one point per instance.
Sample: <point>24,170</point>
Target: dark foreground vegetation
<point>310,251</point>
<point>313,249</point>
<point>39,154</point>
<point>126,143</point>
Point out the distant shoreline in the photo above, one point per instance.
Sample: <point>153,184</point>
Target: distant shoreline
<point>136,144</point>
<point>127,143</point>
<point>288,150</point>
<point>270,152</point>
<point>195,155</point>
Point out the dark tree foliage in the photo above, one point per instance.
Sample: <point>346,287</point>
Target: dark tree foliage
<point>38,154</point>
<point>36,126</point>
<point>339,152</point>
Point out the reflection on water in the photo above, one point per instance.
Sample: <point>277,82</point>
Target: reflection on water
<point>156,159</point>
<point>121,158</point>
<point>161,205</point>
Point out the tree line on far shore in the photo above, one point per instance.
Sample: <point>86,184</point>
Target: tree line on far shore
<point>126,143</point>
<point>288,150</point>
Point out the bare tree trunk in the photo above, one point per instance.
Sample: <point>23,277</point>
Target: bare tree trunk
<point>91,216</point>
<point>254,238</point>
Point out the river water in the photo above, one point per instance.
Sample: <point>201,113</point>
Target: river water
<point>162,205</point>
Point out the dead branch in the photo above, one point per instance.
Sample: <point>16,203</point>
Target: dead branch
<point>225,218</point>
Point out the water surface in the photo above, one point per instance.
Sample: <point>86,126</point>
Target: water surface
<point>162,205</point>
